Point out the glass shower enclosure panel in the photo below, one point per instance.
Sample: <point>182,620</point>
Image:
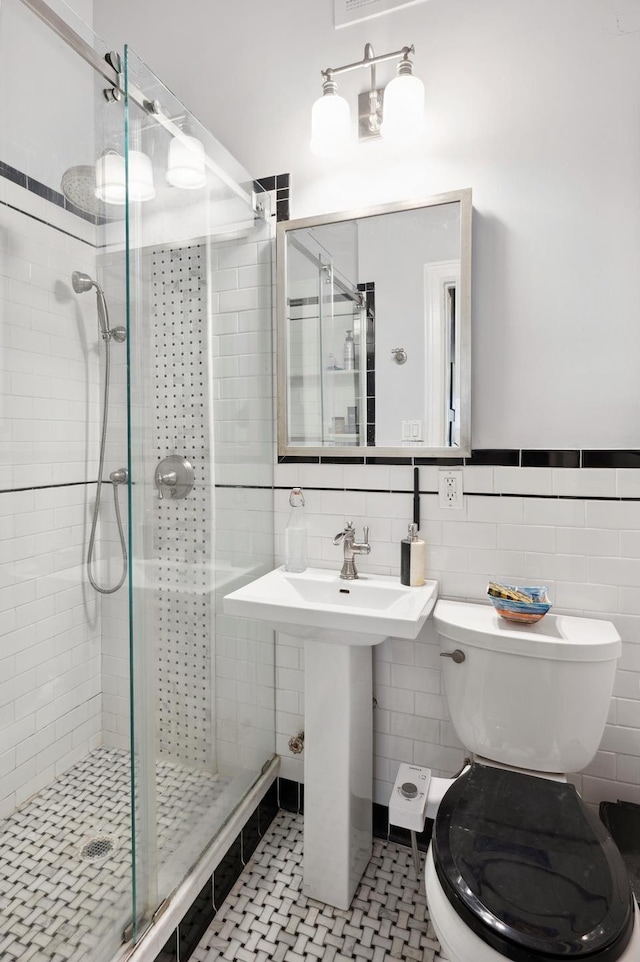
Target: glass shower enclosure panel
<point>326,346</point>
<point>200,422</point>
<point>65,876</point>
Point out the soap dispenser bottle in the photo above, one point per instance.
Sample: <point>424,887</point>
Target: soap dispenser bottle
<point>413,558</point>
<point>349,352</point>
<point>295,535</point>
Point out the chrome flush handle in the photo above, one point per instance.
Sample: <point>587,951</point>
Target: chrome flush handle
<point>457,655</point>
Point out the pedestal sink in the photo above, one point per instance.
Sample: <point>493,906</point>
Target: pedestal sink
<point>340,622</point>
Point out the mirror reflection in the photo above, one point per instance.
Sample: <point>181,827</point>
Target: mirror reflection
<point>374,330</point>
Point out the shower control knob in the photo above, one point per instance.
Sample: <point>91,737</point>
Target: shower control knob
<point>174,477</point>
<point>409,790</point>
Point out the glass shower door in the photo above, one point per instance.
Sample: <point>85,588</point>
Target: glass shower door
<point>199,316</point>
<point>65,875</point>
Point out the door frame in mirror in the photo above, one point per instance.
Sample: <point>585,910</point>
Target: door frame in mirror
<point>285,449</point>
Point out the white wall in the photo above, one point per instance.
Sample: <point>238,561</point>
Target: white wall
<point>533,105</point>
<point>33,62</point>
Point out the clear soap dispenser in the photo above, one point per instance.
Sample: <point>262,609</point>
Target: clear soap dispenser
<point>295,535</point>
<point>349,352</point>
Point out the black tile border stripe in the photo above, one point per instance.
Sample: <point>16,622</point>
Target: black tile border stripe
<point>46,487</point>
<point>610,459</point>
<point>280,185</point>
<point>47,223</point>
<point>47,193</point>
<point>426,491</point>
<point>493,457</point>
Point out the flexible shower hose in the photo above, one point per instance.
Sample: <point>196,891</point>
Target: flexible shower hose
<point>96,507</point>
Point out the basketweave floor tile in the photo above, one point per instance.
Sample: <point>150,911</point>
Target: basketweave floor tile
<point>266,917</point>
<point>53,902</point>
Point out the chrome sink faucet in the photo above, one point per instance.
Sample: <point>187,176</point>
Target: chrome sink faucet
<point>351,548</point>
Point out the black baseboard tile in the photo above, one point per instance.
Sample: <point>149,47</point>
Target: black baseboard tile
<point>196,922</point>
<point>268,808</point>
<point>250,836</point>
<point>291,795</point>
<point>227,871</point>
<point>169,951</point>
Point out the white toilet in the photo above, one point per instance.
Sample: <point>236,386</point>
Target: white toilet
<point>519,867</point>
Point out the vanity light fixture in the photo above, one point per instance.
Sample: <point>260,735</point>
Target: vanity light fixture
<point>185,167</point>
<point>111,179</point>
<point>395,113</point>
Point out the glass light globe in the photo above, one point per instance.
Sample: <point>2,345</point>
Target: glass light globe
<point>403,110</point>
<point>330,125</point>
<point>110,178</point>
<point>185,167</point>
<point>140,176</point>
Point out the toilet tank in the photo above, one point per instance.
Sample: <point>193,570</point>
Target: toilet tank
<point>534,696</point>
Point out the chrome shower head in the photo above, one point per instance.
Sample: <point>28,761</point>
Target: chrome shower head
<point>82,282</point>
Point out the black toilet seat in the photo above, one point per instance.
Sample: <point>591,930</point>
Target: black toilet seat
<point>530,869</point>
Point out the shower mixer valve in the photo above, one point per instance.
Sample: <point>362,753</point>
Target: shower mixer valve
<point>174,477</point>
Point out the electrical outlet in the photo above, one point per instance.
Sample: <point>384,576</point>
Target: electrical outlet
<point>450,488</point>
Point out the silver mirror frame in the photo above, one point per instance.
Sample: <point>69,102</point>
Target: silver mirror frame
<point>462,197</point>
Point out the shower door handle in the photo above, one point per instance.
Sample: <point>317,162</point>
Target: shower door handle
<point>174,477</point>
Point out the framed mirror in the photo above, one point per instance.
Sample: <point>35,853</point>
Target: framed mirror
<point>374,331</point>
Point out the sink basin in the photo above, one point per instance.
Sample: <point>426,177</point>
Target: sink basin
<point>317,603</point>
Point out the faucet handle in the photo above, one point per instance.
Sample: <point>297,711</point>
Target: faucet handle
<point>366,534</point>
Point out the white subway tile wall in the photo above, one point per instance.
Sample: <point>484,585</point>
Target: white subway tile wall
<point>585,550</point>
<point>241,325</point>
<point>50,655</point>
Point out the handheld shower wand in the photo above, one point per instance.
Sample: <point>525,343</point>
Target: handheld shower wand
<point>81,284</point>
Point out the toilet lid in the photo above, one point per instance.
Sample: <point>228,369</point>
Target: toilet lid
<point>530,869</point>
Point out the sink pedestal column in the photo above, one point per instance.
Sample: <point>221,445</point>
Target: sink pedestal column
<point>338,769</point>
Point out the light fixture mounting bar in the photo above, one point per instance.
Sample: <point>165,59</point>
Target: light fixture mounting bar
<point>368,61</point>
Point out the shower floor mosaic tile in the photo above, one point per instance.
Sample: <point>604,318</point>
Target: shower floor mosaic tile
<point>266,918</point>
<point>56,906</point>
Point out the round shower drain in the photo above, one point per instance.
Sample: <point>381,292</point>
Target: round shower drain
<point>97,848</point>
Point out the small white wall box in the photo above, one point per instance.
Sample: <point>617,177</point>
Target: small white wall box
<point>408,802</point>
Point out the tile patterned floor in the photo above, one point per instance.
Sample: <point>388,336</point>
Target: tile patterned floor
<point>266,918</point>
<point>57,907</point>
